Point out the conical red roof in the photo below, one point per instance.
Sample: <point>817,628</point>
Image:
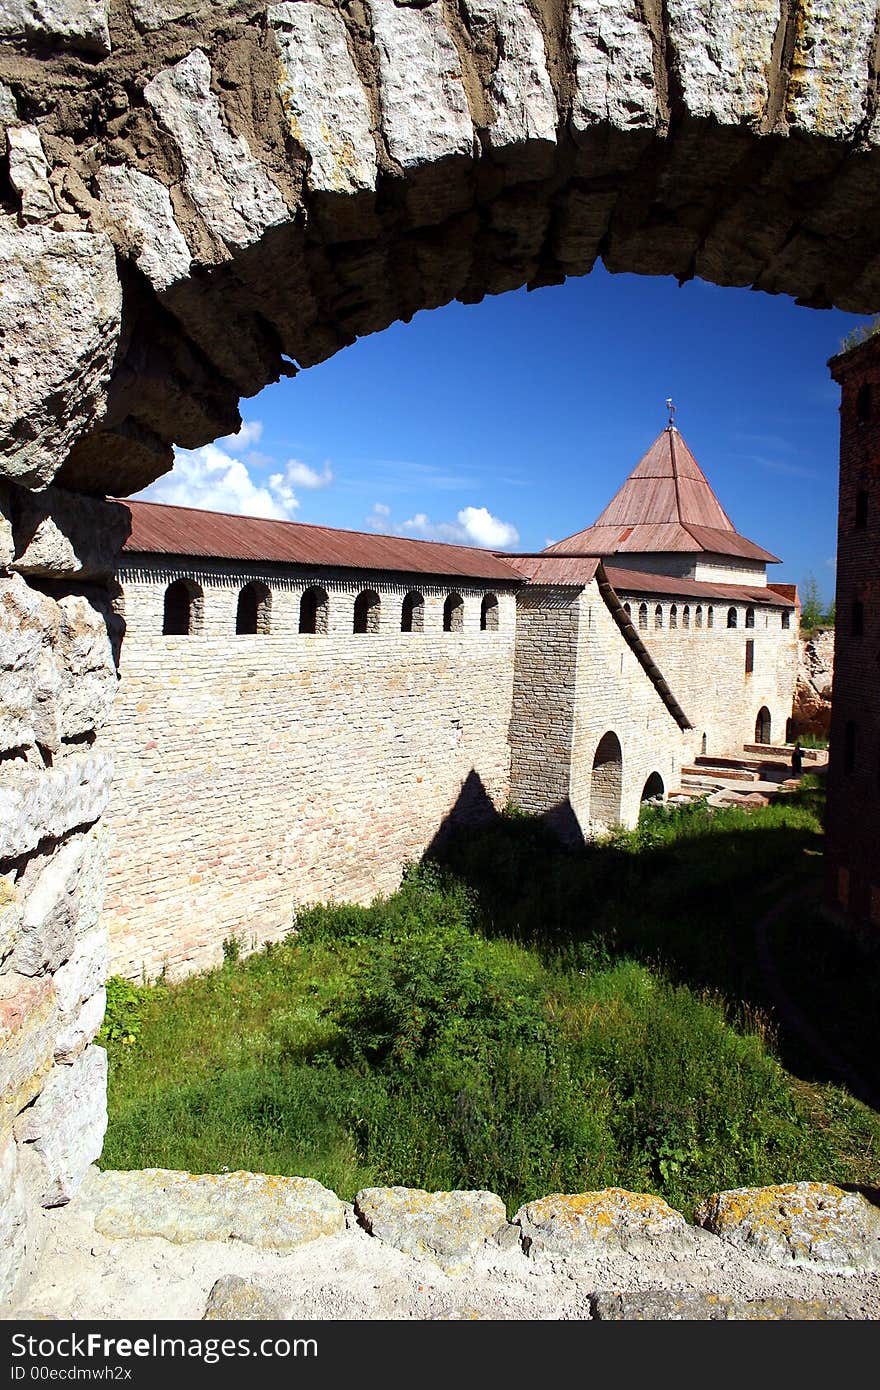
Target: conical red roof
<point>666,504</point>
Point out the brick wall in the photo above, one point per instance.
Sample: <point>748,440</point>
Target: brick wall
<point>706,667</point>
<point>853,819</point>
<point>256,773</point>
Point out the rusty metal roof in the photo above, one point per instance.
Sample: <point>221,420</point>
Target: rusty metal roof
<point>157,529</point>
<point>553,569</point>
<point>666,504</point>
<point>637,582</point>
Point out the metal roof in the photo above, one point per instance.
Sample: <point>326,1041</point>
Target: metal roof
<point>637,582</point>
<point>666,504</point>
<point>157,529</point>
<point>553,569</point>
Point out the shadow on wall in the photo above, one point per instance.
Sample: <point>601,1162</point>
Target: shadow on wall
<point>475,809</point>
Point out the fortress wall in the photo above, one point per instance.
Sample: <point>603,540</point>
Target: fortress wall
<point>615,694</point>
<point>724,569</point>
<point>706,669</point>
<point>258,773</point>
<point>542,721</point>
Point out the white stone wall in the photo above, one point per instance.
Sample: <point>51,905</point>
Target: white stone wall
<point>705,667</point>
<point>258,773</point>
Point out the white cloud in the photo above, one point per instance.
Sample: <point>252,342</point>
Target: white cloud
<point>298,474</point>
<point>250,434</point>
<point>473,526</point>
<point>212,480</point>
<point>482,528</point>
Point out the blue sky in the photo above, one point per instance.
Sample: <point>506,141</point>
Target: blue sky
<point>512,422</point>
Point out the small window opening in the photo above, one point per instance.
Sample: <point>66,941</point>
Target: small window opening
<point>489,613</point>
<point>658,615</point>
<point>453,613</point>
<point>750,657</point>
<point>412,613</point>
<point>673,615</point>
<point>253,611</point>
<point>750,617</point>
<point>698,616</point>
<point>182,609</point>
<point>313,611</point>
<point>786,618</point>
<point>686,616</point>
<point>731,617</point>
<point>643,617</point>
<point>367,608</point>
<point>710,618</point>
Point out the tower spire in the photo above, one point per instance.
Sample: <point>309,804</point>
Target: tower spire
<point>671,408</point>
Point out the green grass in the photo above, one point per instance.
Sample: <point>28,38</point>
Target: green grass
<point>521,1018</point>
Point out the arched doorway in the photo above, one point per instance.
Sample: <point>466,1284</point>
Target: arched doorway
<point>762,725</point>
<point>606,783</point>
<point>653,788</point>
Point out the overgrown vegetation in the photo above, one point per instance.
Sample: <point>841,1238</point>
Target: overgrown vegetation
<point>520,1017</point>
<point>816,614</point>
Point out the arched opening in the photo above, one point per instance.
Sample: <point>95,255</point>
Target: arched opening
<point>698,616</point>
<point>786,618</point>
<point>686,616</point>
<point>367,608</point>
<point>643,617</point>
<point>314,607</point>
<point>412,612</point>
<point>182,609</point>
<point>750,617</point>
<point>653,790</point>
<point>253,612</point>
<point>606,783</point>
<point>710,617</point>
<point>731,617</point>
<point>704,746</point>
<point>453,613</point>
<point>489,613</point>
<point>673,615</point>
<point>627,608</point>
<point>762,725</point>
<point>658,615</point>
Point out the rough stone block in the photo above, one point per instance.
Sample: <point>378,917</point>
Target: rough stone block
<point>234,195</point>
<point>63,1131</point>
<point>524,107</point>
<point>810,1224</point>
<point>666,1305</point>
<point>446,1227</point>
<point>29,625</point>
<point>76,1035</point>
<point>324,102</point>
<point>241,1300</point>
<point>78,24</point>
<point>45,804</point>
<point>425,114</point>
<point>59,534</point>
<point>47,890</point>
<point>13,1218</point>
<point>88,676</point>
<point>274,1212</point>
<point>614,67</point>
<point>59,319</point>
<point>29,173</point>
<point>86,971</point>
<point>10,915</point>
<point>723,56</point>
<point>28,1027</point>
<point>144,203</point>
<point>580,1224</point>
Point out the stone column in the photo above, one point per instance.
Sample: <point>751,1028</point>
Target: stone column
<point>60,636</point>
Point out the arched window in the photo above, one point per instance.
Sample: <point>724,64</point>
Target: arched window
<point>254,611</point>
<point>710,617</point>
<point>750,617</point>
<point>453,613</point>
<point>658,615</point>
<point>731,617</point>
<point>489,613</point>
<point>367,608</point>
<point>673,615</point>
<point>704,746</point>
<point>762,725</point>
<point>182,609</point>
<point>628,611</point>
<point>698,616</point>
<point>686,616</point>
<point>314,609</point>
<point>643,617</point>
<point>412,613</point>
<point>786,618</point>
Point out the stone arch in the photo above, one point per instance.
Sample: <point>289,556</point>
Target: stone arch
<point>658,615</point>
<point>182,608</point>
<point>606,782</point>
<point>643,617</point>
<point>412,612</point>
<point>732,617</point>
<point>653,788</point>
<point>314,611</point>
<point>253,612</point>
<point>710,616</point>
<point>367,612</point>
<point>750,617</point>
<point>698,616</point>
<point>686,615</point>
<point>453,613</point>
<point>673,615</point>
<point>763,726</point>
<point>489,613</point>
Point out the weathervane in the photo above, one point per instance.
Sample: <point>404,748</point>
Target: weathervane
<point>671,408</point>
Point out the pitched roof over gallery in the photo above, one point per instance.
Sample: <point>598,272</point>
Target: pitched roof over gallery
<point>666,504</point>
